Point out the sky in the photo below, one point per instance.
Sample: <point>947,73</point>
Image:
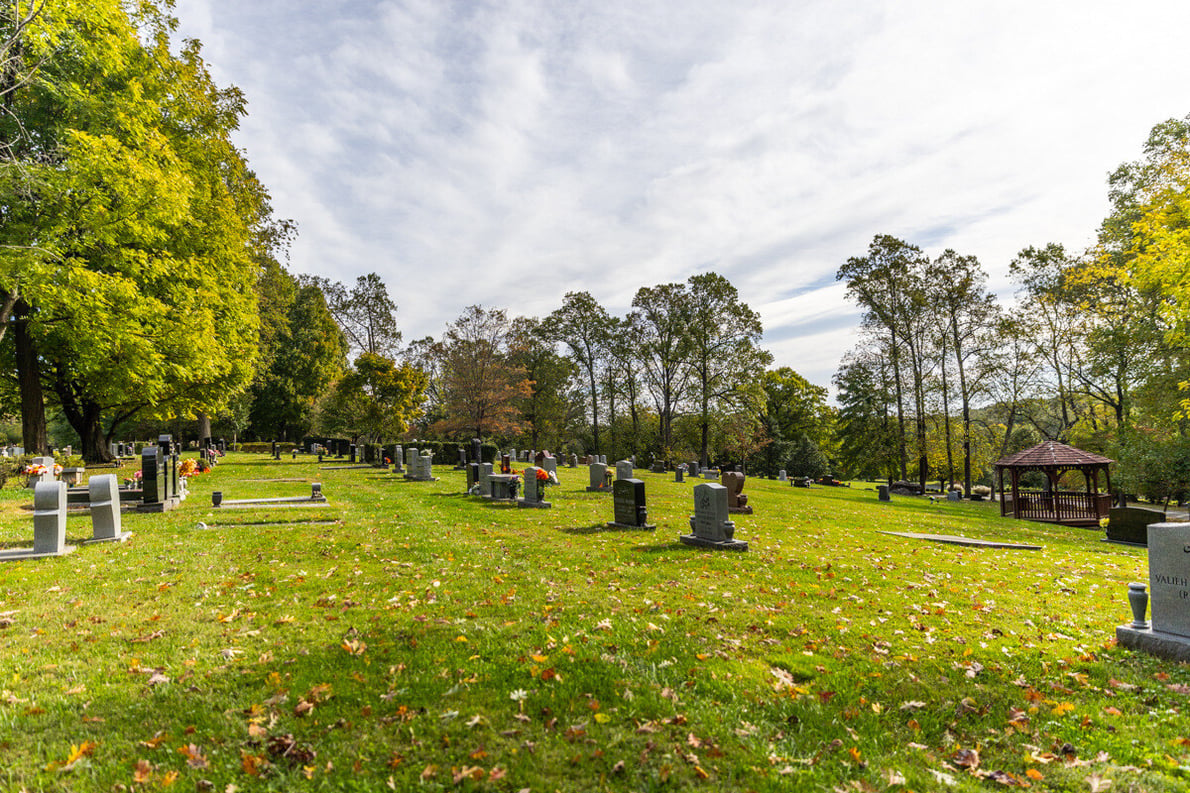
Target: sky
<point>505,153</point>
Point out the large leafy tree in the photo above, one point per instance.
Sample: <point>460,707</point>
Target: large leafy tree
<point>133,224</point>
<point>547,407</point>
<point>376,400</point>
<point>661,318</point>
<point>582,325</point>
<point>365,313</point>
<point>303,352</point>
<point>722,338</point>
<point>482,387</point>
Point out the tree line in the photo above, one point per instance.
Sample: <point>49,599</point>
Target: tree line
<point>1093,352</point>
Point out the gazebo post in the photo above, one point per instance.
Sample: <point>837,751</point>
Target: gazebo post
<point>1016,497</point>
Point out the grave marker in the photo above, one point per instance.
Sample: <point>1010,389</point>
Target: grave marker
<point>736,501</point>
<point>710,527</point>
<point>598,473</point>
<point>104,498</point>
<point>628,503</point>
<point>533,489</point>
<point>1168,635</point>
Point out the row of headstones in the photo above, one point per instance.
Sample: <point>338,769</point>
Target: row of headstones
<point>161,485</point>
<point>49,517</point>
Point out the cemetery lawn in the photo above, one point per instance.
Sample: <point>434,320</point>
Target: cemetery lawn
<point>409,637</point>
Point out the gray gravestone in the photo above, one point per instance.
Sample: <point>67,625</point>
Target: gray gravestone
<point>598,472</point>
<point>49,519</point>
<point>628,503</point>
<point>410,462</point>
<point>551,465</point>
<point>104,493</point>
<point>398,453</point>
<point>624,469</point>
<point>534,490</point>
<point>680,473</point>
<point>781,476</point>
<point>476,450</point>
<point>1168,635</point>
<point>573,461</point>
<point>710,527</point>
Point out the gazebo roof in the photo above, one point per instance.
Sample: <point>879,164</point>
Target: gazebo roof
<point>1052,454</point>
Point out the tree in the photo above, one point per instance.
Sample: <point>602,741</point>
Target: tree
<point>581,324</point>
<point>870,440</point>
<point>722,339</point>
<point>146,218</point>
<point>376,400</point>
<point>482,388</point>
<point>889,283</point>
<point>547,406</point>
<point>661,318</point>
<point>366,314</point>
<point>795,416</point>
<point>305,352</point>
<point>965,313</point>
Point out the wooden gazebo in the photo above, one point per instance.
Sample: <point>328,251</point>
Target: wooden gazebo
<point>1052,505</point>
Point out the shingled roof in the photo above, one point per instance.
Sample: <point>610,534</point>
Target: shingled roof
<point>1052,454</point>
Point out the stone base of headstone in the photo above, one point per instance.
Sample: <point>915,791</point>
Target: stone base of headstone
<point>632,526</point>
<point>160,506</point>
<point>1158,643</point>
<point>520,502</point>
<point>420,478</point>
<point>600,489</point>
<point>723,545</point>
<point>740,510</point>
<point>16,554</point>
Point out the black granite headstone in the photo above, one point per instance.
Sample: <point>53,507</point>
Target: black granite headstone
<point>628,501</point>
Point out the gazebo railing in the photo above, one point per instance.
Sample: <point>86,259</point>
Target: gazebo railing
<point>1059,505</point>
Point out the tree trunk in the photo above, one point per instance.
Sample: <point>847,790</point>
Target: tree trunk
<point>33,429</point>
<point>594,408</point>
<point>204,426</point>
<point>85,417</point>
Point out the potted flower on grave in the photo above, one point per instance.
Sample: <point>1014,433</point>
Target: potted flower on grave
<point>543,479</point>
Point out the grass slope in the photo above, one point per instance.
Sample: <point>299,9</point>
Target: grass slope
<point>410,637</point>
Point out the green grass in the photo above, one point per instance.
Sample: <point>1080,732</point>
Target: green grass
<point>409,637</point>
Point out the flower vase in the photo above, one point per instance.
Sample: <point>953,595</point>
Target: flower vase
<point>1138,598</point>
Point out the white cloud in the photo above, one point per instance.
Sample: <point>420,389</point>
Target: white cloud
<point>505,153</point>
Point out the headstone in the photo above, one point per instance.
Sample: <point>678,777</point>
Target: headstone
<point>551,465</point>
<point>1168,635</point>
<point>426,467</point>
<point>694,470</point>
<point>737,502</point>
<point>485,478</point>
<point>462,464</point>
<point>398,464</point>
<point>680,473</point>
<point>781,476</point>
<point>49,519</point>
<point>628,503</point>
<point>882,493</point>
<point>104,493</point>
<point>603,459</point>
<point>173,477</point>
<point>953,495</point>
<point>710,527</point>
<point>598,472</point>
<point>476,450</point>
<point>624,469</point>
<point>573,460</point>
<point>1131,524</point>
<point>472,476</point>
<point>410,461</point>
<point>533,490</point>
<point>658,467</point>
<point>351,452</point>
<point>152,470</point>
<point>505,464</point>
<point>276,451</point>
<point>539,459</point>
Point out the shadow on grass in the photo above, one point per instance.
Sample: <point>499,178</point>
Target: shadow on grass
<point>666,546</point>
<point>597,528</point>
